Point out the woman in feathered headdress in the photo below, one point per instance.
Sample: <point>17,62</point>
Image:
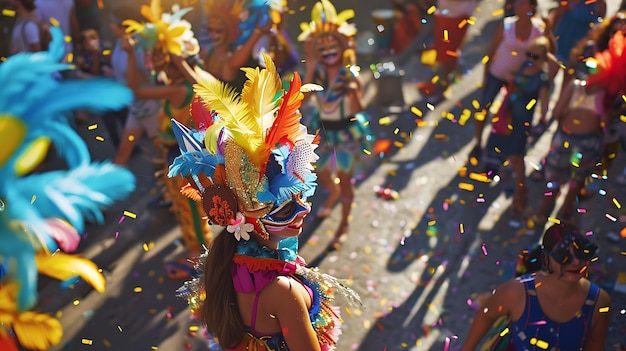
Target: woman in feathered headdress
<point>250,164</point>
<point>173,47</point>
<point>42,214</point>
<point>330,60</point>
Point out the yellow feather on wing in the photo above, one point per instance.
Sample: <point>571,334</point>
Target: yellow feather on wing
<point>62,267</point>
<point>345,15</point>
<point>233,113</point>
<point>36,331</point>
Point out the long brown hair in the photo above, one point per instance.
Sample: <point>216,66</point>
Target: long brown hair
<point>220,311</point>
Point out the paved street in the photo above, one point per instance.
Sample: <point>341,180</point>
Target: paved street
<point>416,261</point>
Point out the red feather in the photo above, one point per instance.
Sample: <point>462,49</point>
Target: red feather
<point>611,66</point>
<point>202,117</point>
<point>286,126</point>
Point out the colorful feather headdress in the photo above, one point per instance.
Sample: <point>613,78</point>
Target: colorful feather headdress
<point>326,20</point>
<point>43,213</point>
<point>250,152</point>
<point>166,32</point>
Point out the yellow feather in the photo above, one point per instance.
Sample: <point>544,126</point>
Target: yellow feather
<point>305,88</point>
<point>223,99</point>
<point>329,11</point>
<point>344,16</point>
<point>259,92</point>
<point>62,267</point>
<point>37,331</point>
<point>8,302</point>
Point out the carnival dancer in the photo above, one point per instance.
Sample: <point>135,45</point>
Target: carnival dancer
<point>172,50</point>
<point>250,163</point>
<point>42,213</point>
<point>330,62</point>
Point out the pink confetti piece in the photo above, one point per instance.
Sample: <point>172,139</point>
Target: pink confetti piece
<point>121,220</point>
<point>117,234</point>
<point>613,219</point>
<point>549,193</point>
<point>484,249</point>
<point>581,210</point>
<point>447,345</point>
<point>589,233</point>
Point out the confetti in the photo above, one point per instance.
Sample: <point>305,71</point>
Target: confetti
<point>484,249</point>
<point>554,220</point>
<point>466,186</point>
<point>87,341</point>
<point>138,289</point>
<point>531,104</point>
<point>617,204</point>
<point>461,228</point>
<point>99,138</point>
<point>93,126</point>
<point>119,327</point>
<point>130,214</point>
<point>8,12</point>
<point>431,10</point>
<point>611,218</point>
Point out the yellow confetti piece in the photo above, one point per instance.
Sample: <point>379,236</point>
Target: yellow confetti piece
<point>566,144</point>
<point>194,328</point>
<point>539,343</point>
<point>431,10</point>
<point>87,341</point>
<point>138,289</point>
<point>348,312</point>
<point>93,126</point>
<point>479,177</point>
<point>75,302</point>
<point>466,186</point>
<point>383,121</point>
<point>603,309</point>
<point>54,22</point>
<point>8,12</point>
<point>622,118</point>
<point>396,131</point>
<point>504,332</point>
<point>617,204</point>
<point>461,228</point>
<point>119,327</point>
<point>472,20</point>
<point>367,152</point>
<point>445,35</point>
<point>70,57</point>
<point>497,12</point>
<point>154,347</point>
<point>32,199</point>
<point>131,138</point>
<point>130,214</point>
<point>416,111</point>
<point>485,59</point>
<point>531,104</point>
<point>99,138</point>
<point>431,223</point>
<point>106,52</point>
<point>554,220</point>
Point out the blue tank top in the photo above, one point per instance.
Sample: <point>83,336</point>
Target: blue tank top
<point>534,331</point>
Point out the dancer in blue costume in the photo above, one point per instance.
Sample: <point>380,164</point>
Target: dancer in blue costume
<point>330,61</point>
<point>250,165</point>
<point>42,214</point>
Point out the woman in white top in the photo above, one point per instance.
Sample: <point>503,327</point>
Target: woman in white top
<point>506,55</point>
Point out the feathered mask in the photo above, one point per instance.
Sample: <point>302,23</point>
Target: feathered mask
<point>166,32</point>
<point>325,20</point>
<point>250,152</point>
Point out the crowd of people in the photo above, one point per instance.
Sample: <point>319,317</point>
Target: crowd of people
<point>225,121</point>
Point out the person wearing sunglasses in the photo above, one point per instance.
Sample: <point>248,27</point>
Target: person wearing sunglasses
<point>530,84</point>
<point>556,308</point>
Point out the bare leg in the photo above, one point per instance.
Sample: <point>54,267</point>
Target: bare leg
<point>327,180</point>
<point>347,198</point>
<point>127,144</point>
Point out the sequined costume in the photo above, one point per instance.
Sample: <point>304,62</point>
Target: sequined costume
<point>248,161</point>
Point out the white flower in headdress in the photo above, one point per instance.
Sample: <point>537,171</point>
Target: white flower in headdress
<point>240,228</point>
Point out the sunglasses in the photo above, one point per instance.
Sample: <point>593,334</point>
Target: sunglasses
<point>532,56</point>
<point>584,249</point>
